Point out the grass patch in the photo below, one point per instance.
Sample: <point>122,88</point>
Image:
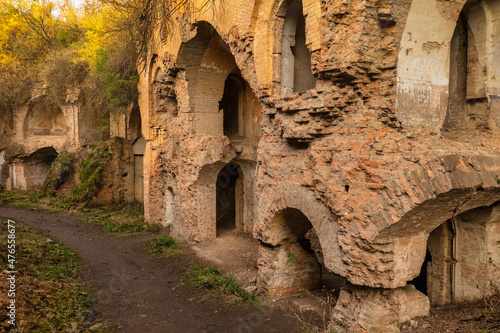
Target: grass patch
<point>18,198</point>
<point>35,199</point>
<point>217,283</point>
<point>49,297</point>
<point>116,227</point>
<point>126,221</point>
<point>163,246</point>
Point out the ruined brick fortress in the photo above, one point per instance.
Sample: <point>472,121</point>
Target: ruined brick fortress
<point>355,137</point>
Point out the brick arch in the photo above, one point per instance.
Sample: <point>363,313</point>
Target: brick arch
<point>266,25</point>
<point>464,184</point>
<point>424,60</point>
<point>287,195</point>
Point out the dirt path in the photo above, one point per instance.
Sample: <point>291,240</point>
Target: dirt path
<point>140,293</point>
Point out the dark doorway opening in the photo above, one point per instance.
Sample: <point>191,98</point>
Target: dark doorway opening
<point>420,282</point>
<point>227,196</point>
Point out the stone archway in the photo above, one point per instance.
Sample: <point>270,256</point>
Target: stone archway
<point>288,218</point>
<point>271,15</point>
<point>207,61</point>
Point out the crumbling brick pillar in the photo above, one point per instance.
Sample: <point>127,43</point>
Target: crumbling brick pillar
<point>364,309</point>
<point>287,270</point>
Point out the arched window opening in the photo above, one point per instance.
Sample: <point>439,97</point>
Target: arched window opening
<point>241,109</point>
<point>135,124</point>
<point>232,104</point>
<point>295,56</point>
<point>467,99</point>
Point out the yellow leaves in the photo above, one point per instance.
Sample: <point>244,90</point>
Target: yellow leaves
<point>96,35</point>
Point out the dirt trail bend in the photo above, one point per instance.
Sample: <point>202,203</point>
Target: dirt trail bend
<point>140,293</point>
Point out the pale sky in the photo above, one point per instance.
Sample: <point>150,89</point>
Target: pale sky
<point>77,3</point>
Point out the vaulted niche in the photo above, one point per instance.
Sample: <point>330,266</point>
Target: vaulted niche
<point>296,71</point>
<point>241,109</point>
<point>44,118</point>
<point>467,100</point>
<point>230,104</point>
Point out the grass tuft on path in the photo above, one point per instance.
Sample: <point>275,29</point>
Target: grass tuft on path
<point>163,246</point>
<point>218,284</point>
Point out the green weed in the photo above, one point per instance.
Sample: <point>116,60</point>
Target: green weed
<point>216,283</point>
<point>164,246</point>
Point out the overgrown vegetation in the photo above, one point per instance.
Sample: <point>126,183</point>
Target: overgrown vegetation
<point>93,50</point>
<point>49,297</point>
<point>217,283</point>
<point>163,246</point>
<point>90,175</point>
<point>90,172</point>
<point>61,169</point>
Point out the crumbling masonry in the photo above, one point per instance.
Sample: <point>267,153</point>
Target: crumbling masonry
<point>353,137</point>
<point>360,137</point>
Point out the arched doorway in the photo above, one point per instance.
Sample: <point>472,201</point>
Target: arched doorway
<point>230,104</point>
<point>229,197</point>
